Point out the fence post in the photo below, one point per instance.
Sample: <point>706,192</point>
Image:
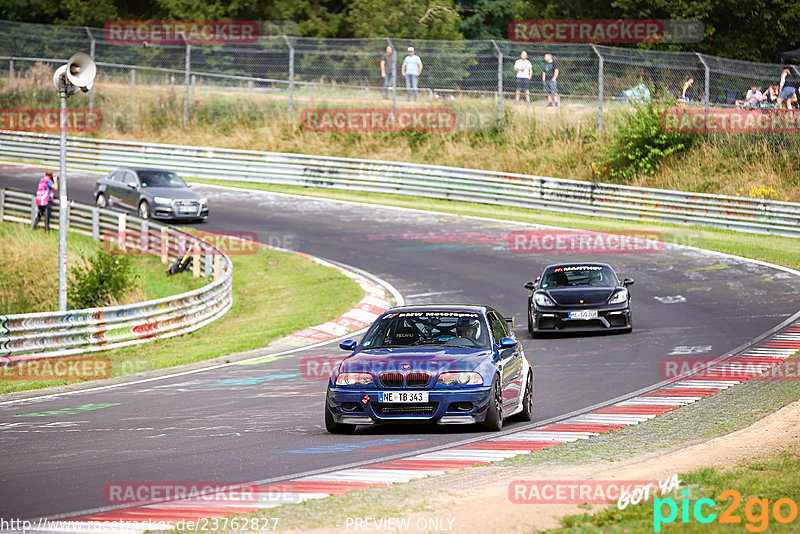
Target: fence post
<point>122,237</point>
<point>194,81</point>
<point>708,86</point>
<point>311,92</point>
<point>164,245</point>
<point>196,260</point>
<point>144,237</point>
<point>394,76</point>
<point>11,69</point>
<point>186,82</point>
<point>797,72</point>
<point>599,89</point>
<point>499,83</point>
<point>91,54</point>
<point>133,80</point>
<point>291,77</point>
<point>96,224</point>
<point>250,89</point>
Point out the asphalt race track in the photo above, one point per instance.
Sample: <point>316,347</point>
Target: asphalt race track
<point>263,421</point>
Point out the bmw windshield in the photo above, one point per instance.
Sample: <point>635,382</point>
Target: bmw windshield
<point>579,275</point>
<point>428,328</point>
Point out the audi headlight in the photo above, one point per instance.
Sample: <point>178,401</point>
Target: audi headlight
<point>354,379</point>
<point>542,300</point>
<point>462,379</point>
<point>162,200</point>
<point>619,297</point>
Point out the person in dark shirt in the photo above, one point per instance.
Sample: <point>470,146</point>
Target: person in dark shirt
<point>387,60</point>
<point>550,80</point>
<point>786,89</point>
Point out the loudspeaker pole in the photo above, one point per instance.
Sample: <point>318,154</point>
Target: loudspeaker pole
<point>63,206</point>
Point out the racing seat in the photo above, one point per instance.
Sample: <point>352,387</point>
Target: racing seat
<point>559,279</point>
<point>405,334</point>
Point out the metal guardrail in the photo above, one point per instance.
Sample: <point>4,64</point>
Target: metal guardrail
<point>432,181</point>
<point>41,335</point>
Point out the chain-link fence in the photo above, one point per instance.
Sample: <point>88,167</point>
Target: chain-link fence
<point>279,77</point>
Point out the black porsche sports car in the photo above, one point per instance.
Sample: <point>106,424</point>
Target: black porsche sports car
<point>579,296</point>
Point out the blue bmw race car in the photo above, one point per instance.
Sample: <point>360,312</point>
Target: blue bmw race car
<point>431,364</point>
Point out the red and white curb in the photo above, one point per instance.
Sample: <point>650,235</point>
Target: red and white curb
<point>748,365</point>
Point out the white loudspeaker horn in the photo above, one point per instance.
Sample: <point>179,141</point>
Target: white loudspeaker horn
<point>78,73</point>
<point>81,71</point>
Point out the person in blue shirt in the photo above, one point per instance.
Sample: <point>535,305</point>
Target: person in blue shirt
<point>412,68</point>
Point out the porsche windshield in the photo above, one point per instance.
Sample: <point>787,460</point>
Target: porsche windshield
<point>449,329</point>
<point>579,275</point>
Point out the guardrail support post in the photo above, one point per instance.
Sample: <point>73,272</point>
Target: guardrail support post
<point>144,237</point>
<point>122,237</point>
<point>196,260</point>
<point>207,264</point>
<point>33,211</point>
<point>599,90</point>
<point>96,224</point>
<point>164,245</point>
<point>499,83</point>
<point>2,202</point>
<point>291,77</point>
<point>217,263</point>
<point>187,76</point>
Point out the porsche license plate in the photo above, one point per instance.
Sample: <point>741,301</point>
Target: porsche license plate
<point>403,396</point>
<point>583,314</point>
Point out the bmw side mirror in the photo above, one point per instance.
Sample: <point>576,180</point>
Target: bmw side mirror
<point>348,344</point>
<point>530,285</point>
<point>507,343</point>
<point>627,282</point>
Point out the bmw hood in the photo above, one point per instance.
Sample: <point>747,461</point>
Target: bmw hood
<point>572,296</point>
<point>432,360</point>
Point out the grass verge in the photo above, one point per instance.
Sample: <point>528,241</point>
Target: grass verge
<point>274,294</point>
<point>29,263</point>
<point>775,249</point>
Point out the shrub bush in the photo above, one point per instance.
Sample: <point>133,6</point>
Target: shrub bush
<point>103,280</point>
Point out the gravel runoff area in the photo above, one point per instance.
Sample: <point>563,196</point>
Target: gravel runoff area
<point>731,426</point>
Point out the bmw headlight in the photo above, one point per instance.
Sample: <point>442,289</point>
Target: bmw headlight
<point>354,379</point>
<point>619,297</point>
<point>462,379</point>
<point>162,200</point>
<point>542,300</point>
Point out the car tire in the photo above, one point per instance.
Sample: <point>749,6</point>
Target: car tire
<point>530,318</point>
<point>336,428</point>
<point>144,210</point>
<point>527,399</point>
<point>494,414</point>
<point>101,201</point>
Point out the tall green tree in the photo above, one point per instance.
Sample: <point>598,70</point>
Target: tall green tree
<point>485,19</point>
<point>407,19</point>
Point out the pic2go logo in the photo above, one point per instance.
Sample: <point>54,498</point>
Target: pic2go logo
<point>756,511</point>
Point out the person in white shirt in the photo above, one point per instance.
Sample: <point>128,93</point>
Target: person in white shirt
<point>524,71</point>
<point>753,99</point>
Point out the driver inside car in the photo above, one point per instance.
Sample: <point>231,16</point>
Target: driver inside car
<point>466,328</point>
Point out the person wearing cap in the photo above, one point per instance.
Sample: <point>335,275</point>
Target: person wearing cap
<point>412,68</point>
<point>44,199</point>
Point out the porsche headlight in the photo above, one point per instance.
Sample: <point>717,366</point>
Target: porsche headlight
<point>162,200</point>
<point>542,300</point>
<point>354,379</point>
<point>619,297</point>
<point>462,379</point>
